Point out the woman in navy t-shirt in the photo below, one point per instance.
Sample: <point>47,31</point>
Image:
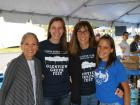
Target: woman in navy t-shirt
<point>54,57</point>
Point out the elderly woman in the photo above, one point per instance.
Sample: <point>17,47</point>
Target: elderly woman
<point>22,80</point>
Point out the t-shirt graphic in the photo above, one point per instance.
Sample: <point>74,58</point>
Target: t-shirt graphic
<point>88,64</point>
<point>87,74</point>
<point>56,64</point>
<point>55,69</point>
<point>101,77</point>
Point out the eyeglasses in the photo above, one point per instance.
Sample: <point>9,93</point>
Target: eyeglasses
<point>82,32</point>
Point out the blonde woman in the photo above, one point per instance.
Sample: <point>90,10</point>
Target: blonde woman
<point>22,81</point>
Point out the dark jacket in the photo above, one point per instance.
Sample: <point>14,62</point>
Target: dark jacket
<point>75,71</point>
<point>17,86</point>
<point>133,46</point>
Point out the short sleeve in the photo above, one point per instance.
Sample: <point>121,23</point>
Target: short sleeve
<point>120,44</point>
<point>121,72</point>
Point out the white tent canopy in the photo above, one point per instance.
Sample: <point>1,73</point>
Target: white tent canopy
<point>40,11</point>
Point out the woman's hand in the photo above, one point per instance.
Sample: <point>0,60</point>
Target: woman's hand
<point>119,93</point>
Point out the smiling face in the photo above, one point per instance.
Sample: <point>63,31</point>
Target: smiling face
<point>83,36</point>
<point>29,47</point>
<point>104,50</point>
<point>56,30</point>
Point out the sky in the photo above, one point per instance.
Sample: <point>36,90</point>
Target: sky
<point>11,33</point>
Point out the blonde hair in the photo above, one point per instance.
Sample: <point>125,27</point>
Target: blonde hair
<point>29,34</point>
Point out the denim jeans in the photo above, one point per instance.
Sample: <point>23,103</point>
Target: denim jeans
<point>61,100</point>
<point>109,103</point>
<point>73,104</point>
<point>89,100</point>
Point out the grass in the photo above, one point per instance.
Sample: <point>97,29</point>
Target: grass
<point>10,50</point>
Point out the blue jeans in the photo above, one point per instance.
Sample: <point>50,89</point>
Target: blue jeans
<point>61,100</point>
<point>73,104</point>
<point>89,100</point>
<point>110,103</point>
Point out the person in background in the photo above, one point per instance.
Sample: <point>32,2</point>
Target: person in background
<point>124,45</point>
<point>55,59</point>
<point>22,83</point>
<point>109,74</point>
<point>134,47</point>
<point>97,37</point>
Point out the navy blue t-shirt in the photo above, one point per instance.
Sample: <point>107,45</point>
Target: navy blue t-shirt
<point>55,69</point>
<point>87,60</point>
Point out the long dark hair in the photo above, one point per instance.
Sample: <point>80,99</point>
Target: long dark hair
<point>74,47</point>
<point>63,42</point>
<point>112,56</point>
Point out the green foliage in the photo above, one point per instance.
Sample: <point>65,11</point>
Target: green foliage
<point>7,50</point>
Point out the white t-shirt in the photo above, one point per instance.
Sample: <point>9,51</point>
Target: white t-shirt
<point>126,46</point>
<point>32,70</point>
